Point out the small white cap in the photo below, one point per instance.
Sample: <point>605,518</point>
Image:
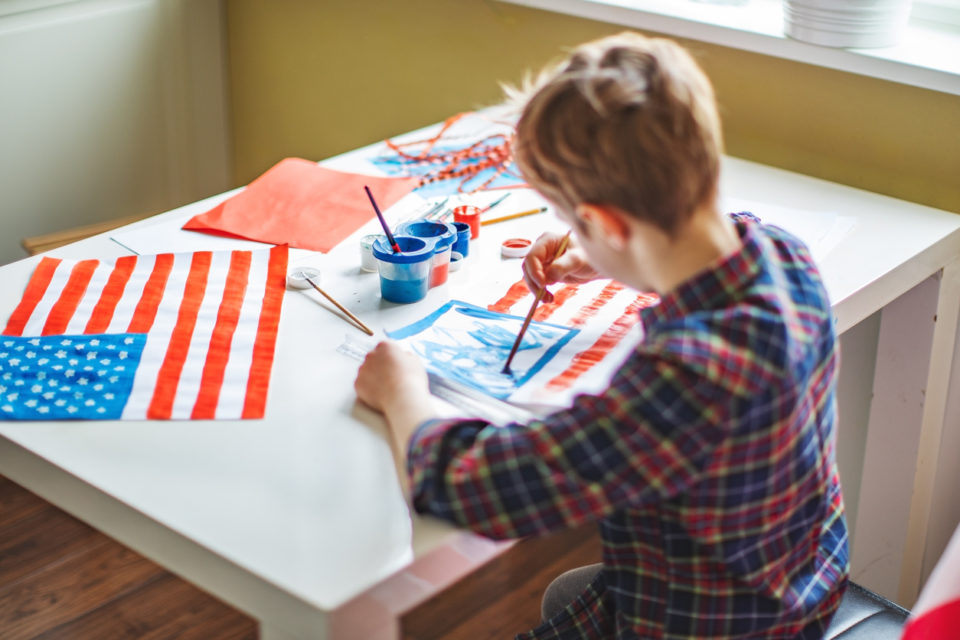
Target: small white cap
<point>297,279</point>
<point>515,247</point>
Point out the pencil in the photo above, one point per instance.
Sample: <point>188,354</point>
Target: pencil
<point>533,307</point>
<point>326,295</point>
<point>383,223</point>
<point>521,214</point>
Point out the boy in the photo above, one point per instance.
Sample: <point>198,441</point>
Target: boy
<point>709,461</point>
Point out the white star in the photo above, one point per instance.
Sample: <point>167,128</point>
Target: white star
<point>31,355</point>
<point>69,373</point>
<point>128,340</point>
<point>49,395</point>
<point>32,402</point>
<point>82,381</point>
<point>59,402</point>
<point>113,379</point>
<point>12,396</point>
<point>105,361</point>
<point>61,354</point>
<point>34,341</point>
<point>95,342</point>
<point>6,376</point>
<point>7,408</point>
<point>122,355</point>
<point>71,409</point>
<point>91,355</point>
<point>41,375</point>
<point>66,342</point>
<point>43,409</point>
<point>19,383</point>
<point>4,354</point>
<point>14,362</point>
<point>57,367</point>
<point>43,361</point>
<point>8,343</point>
<point>101,410</point>
<point>37,388</point>
<point>108,396</point>
<point>119,367</point>
<point>80,346</point>
<point>98,387</point>
<point>73,362</point>
<point>89,403</point>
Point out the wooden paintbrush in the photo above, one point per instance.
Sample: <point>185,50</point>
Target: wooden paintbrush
<point>533,307</point>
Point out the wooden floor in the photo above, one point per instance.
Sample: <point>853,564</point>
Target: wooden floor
<point>60,579</point>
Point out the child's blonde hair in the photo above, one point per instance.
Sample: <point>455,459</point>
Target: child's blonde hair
<point>627,121</point>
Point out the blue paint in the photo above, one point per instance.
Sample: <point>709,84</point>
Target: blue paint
<point>462,244</point>
<point>441,235</point>
<point>474,354</point>
<point>405,276</point>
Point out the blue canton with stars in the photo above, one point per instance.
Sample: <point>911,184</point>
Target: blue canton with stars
<point>67,377</point>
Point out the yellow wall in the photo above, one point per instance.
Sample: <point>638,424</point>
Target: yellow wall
<point>312,78</point>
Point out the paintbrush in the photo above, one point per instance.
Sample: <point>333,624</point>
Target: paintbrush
<point>533,307</point>
<point>383,223</point>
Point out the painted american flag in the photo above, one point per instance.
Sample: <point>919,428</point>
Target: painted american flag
<point>172,336</point>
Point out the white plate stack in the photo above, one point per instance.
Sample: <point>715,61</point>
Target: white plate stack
<point>846,23</point>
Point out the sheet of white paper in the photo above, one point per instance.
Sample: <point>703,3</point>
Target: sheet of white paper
<point>821,231</point>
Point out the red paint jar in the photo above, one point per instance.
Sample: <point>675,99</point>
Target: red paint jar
<point>471,215</point>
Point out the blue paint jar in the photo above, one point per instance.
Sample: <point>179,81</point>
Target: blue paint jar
<point>462,244</point>
<point>441,235</point>
<point>404,276</point>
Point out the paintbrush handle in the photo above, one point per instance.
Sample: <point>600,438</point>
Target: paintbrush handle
<point>383,223</point>
<point>326,295</point>
<point>536,301</point>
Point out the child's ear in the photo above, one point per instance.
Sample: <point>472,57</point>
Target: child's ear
<point>608,221</point>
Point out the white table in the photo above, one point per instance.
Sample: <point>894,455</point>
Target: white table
<point>300,519</point>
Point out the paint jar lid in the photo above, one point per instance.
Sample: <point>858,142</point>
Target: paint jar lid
<point>297,279</point>
<point>515,248</point>
<point>433,231</point>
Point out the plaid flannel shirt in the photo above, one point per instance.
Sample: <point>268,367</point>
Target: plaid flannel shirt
<point>708,463</point>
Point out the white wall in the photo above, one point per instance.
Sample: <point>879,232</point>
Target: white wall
<point>108,108</point>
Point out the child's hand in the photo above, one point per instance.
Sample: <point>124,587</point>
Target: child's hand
<point>541,269</point>
<point>389,376</point>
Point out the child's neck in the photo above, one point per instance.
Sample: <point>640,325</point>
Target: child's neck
<point>705,239</point>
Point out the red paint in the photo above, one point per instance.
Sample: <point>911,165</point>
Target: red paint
<point>515,293</point>
<point>588,311</point>
<point>585,360</point>
<point>546,309</point>
<point>516,243</point>
<point>471,215</point>
<point>439,273</point>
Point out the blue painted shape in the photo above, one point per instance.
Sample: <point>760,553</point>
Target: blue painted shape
<point>71,377</point>
<point>470,344</point>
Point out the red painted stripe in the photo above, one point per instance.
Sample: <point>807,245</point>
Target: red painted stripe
<point>256,398</point>
<point>588,311</point>
<point>110,296</point>
<point>62,310</point>
<point>585,360</point>
<point>516,291</point>
<point>146,311</point>
<point>546,309</point>
<point>228,316</point>
<point>32,295</point>
<point>161,404</point>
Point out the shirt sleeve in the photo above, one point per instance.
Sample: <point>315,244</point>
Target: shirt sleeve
<point>642,440</point>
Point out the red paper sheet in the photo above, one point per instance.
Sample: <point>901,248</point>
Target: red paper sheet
<point>300,203</point>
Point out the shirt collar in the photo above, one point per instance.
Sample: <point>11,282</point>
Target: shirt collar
<point>714,286</point>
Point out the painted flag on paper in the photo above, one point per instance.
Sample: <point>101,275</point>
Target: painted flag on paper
<point>171,336</point>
